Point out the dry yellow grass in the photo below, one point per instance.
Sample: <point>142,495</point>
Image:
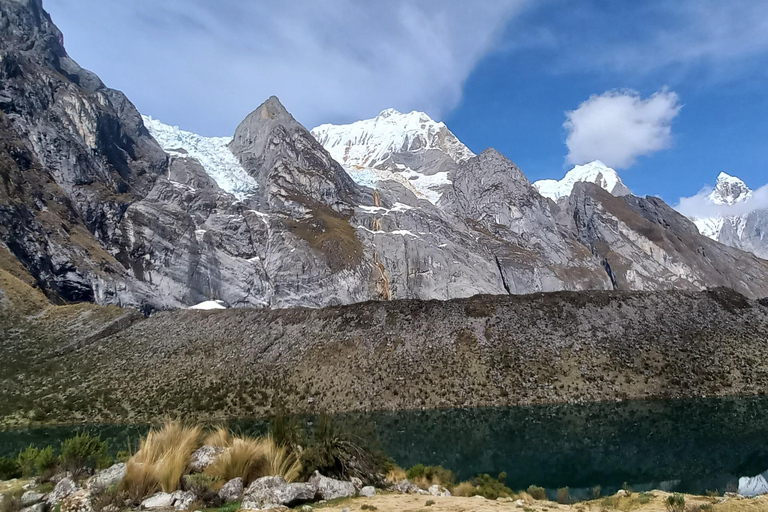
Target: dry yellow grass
<point>250,458</point>
<point>164,455</point>
<point>220,437</point>
<point>395,475</point>
<point>139,480</point>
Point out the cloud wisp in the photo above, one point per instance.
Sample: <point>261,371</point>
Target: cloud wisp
<point>204,65</point>
<point>700,206</point>
<point>617,127</point>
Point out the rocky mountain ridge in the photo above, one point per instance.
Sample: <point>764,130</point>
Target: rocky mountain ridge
<point>94,209</point>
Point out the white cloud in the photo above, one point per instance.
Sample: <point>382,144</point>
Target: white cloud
<point>700,206</point>
<point>619,126</point>
<point>204,65</point>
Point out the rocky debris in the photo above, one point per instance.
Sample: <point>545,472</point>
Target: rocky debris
<point>113,475</point>
<point>356,482</point>
<point>65,487</point>
<point>79,501</point>
<point>31,497</point>
<point>204,457</point>
<point>330,488</point>
<point>232,490</point>
<point>275,495</point>
<point>37,507</point>
<point>160,500</point>
<point>438,490</point>
<point>183,499</point>
<point>406,487</point>
<point>368,491</point>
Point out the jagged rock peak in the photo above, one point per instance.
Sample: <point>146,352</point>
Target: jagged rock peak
<point>729,190</point>
<point>593,172</point>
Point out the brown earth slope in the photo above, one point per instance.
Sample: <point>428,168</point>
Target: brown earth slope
<point>92,363</point>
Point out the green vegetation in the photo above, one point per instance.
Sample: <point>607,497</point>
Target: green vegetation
<point>676,503</point>
<point>485,486</point>
<point>644,497</point>
<point>9,468</point>
<point>84,452</point>
<point>425,476</point>
<point>564,496</point>
<point>596,492</point>
<point>537,493</point>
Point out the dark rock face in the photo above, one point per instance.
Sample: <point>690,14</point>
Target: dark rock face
<point>96,211</point>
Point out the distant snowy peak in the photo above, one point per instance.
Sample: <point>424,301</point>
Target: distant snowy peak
<point>213,154</point>
<point>369,143</point>
<point>594,172</point>
<point>729,190</point>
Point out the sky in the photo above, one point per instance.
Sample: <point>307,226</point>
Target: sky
<point>668,93</point>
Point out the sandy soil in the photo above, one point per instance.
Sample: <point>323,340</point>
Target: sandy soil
<point>418,503</point>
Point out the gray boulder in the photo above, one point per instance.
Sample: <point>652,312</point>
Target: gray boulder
<point>79,501</point>
<point>438,490</point>
<point>31,497</point>
<point>158,500</point>
<point>330,488</point>
<point>406,487</point>
<point>64,488</point>
<point>368,491</point>
<point>285,494</point>
<point>113,475</point>
<point>204,457</point>
<point>183,499</point>
<point>37,507</point>
<point>232,490</point>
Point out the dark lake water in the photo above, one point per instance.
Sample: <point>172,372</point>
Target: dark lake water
<point>678,445</point>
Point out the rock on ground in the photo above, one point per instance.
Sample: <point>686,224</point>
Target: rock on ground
<point>79,501</point>
<point>31,497</point>
<point>113,475</point>
<point>438,490</point>
<point>158,500</point>
<point>204,457</point>
<point>232,490</point>
<point>282,494</point>
<point>64,488</point>
<point>330,488</point>
<point>368,491</point>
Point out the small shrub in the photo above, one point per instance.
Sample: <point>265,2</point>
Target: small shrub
<point>415,471</point>
<point>82,452</point>
<point>368,507</point>
<point>166,452</point>
<point>429,503</point>
<point>676,503</point>
<point>536,492</point>
<point>713,494</point>
<point>200,483</point>
<point>502,477</point>
<point>288,432</point>
<point>45,462</point>
<point>465,489</point>
<point>123,456</point>
<point>9,468</point>
<point>110,499</point>
<point>610,502</point>
<point>596,492</point>
<point>564,496</point>
<point>627,489</point>
<point>26,461</point>
<point>644,497</point>
<point>245,458</point>
<point>706,507</point>
<point>424,476</point>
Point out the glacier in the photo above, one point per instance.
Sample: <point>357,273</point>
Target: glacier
<point>593,172</point>
<point>213,153</point>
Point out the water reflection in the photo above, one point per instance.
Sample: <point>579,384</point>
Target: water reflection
<point>681,445</point>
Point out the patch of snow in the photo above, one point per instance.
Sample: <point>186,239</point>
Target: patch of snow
<point>594,172</point>
<point>213,153</point>
<point>729,190</point>
<point>210,304</point>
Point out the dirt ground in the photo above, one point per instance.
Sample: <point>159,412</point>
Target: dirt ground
<point>418,503</point>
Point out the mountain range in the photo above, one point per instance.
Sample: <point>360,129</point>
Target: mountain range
<point>99,203</point>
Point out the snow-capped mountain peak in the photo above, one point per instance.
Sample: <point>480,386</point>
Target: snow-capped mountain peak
<point>729,190</point>
<point>593,172</point>
<point>213,153</point>
<point>374,150</point>
<point>370,142</point>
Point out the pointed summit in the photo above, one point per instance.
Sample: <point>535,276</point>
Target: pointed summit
<point>729,190</point>
<point>594,172</point>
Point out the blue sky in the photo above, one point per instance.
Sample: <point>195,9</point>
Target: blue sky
<point>670,92</point>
